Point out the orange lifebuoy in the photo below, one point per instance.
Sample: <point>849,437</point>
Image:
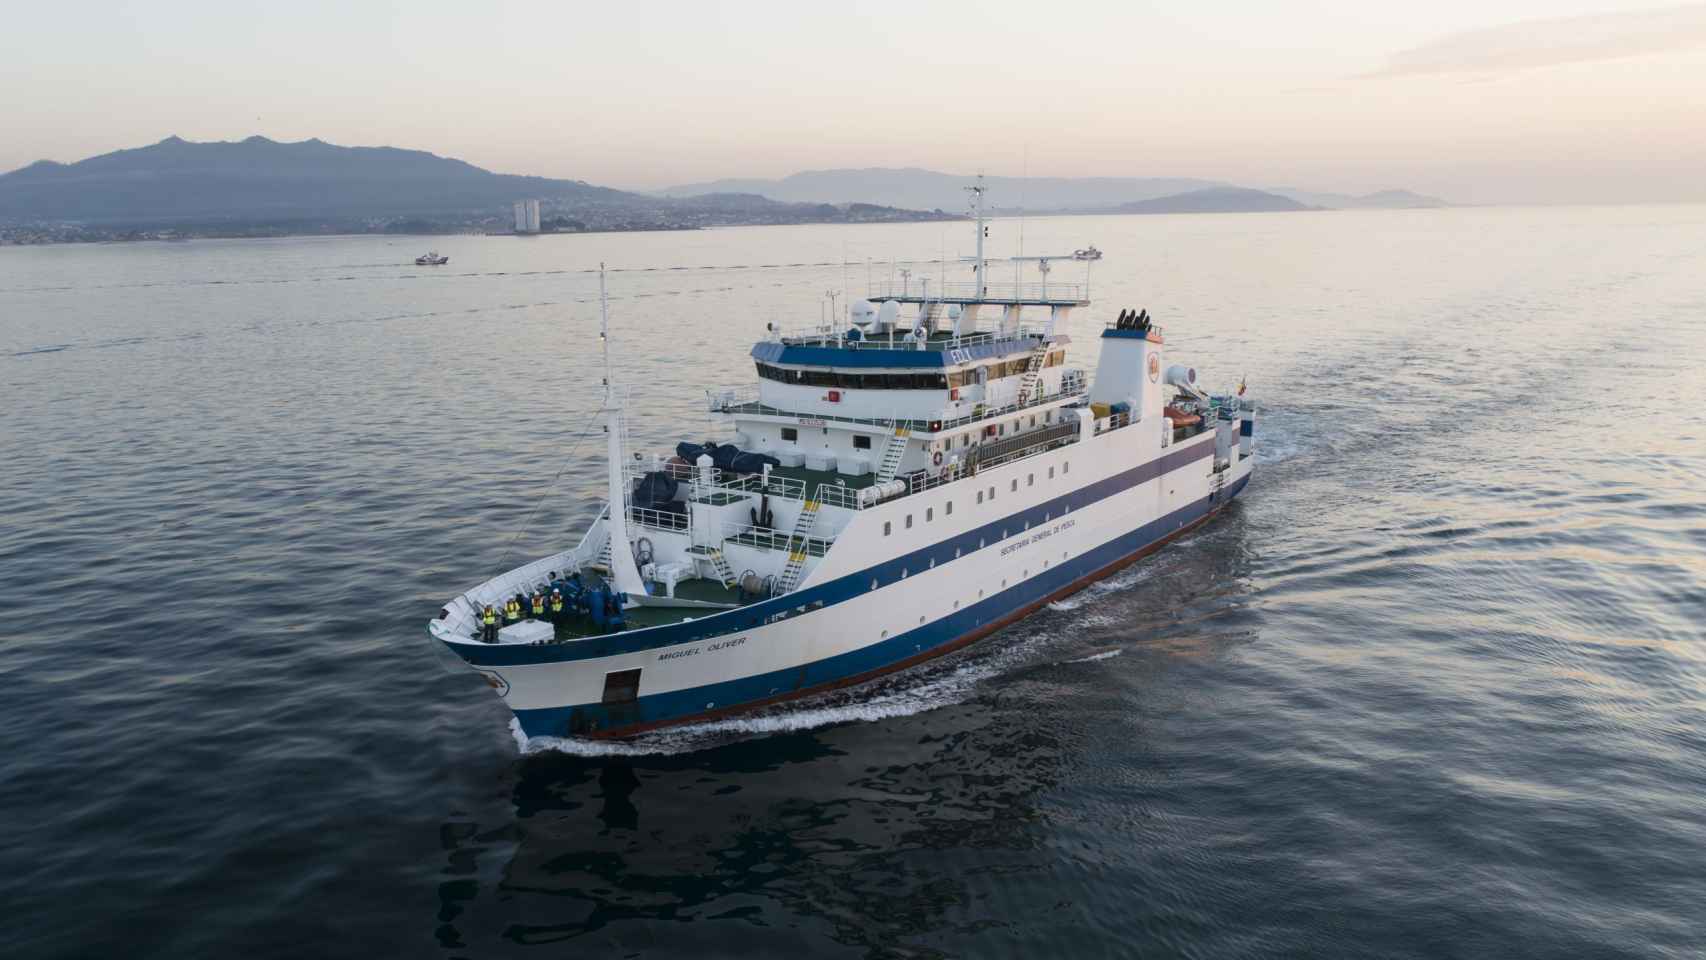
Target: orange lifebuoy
<point>937,459</point>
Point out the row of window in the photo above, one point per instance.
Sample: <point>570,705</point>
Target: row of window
<point>948,507</point>
<point>844,380</point>
<point>861,441</point>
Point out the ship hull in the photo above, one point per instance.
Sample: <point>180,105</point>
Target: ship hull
<point>933,600</point>
<point>597,721</point>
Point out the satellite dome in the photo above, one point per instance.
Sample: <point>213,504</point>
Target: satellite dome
<point>953,311</point>
<point>864,313</point>
<point>888,315</point>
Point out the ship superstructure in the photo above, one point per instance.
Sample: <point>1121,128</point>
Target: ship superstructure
<point>898,483</point>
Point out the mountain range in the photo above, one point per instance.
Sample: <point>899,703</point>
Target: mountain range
<point>929,190</point>
<point>262,186</point>
<point>318,186</point>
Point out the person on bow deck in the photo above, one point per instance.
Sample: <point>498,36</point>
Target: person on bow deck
<point>489,624</point>
<point>538,606</point>
<point>556,608</point>
<point>512,611</point>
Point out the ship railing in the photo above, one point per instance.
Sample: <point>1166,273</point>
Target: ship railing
<point>658,519</point>
<point>838,495</point>
<point>768,538</point>
<point>725,481</point>
<point>970,291</point>
<point>1004,452</point>
<point>733,401</point>
<point>899,340</point>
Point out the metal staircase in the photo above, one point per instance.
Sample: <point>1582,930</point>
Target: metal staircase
<point>1033,379</point>
<point>892,455</point>
<point>797,549</point>
<point>720,563</point>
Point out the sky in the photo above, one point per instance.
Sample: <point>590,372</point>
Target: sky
<point>1491,101</point>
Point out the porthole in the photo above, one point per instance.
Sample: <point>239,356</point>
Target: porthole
<point>1003,584</point>
<point>885,635</point>
<point>888,528</point>
<point>956,604</point>
<point>980,594</point>
<point>1051,473</point>
<point>1015,488</point>
<point>980,496</point>
<point>921,621</point>
<point>1066,467</point>
<point>1030,479</point>
<point>909,521</point>
<point>949,510</point>
<point>929,514</point>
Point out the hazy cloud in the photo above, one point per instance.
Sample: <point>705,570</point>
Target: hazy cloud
<point>1544,43</point>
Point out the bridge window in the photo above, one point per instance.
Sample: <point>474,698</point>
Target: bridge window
<point>861,442</point>
<point>790,434</point>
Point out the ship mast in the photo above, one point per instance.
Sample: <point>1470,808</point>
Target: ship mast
<point>624,575</point>
<point>976,192</point>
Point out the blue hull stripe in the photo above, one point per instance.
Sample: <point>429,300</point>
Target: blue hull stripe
<point>841,588</point>
<point>681,704</point>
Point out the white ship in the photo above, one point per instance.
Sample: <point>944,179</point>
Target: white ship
<point>897,486</point>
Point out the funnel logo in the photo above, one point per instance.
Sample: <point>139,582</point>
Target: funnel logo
<point>1154,368</point>
<point>497,682</point>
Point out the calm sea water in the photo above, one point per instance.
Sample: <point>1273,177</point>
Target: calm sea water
<point>1435,687</point>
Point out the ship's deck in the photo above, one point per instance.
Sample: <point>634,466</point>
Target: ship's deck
<point>812,478</point>
<point>577,626</point>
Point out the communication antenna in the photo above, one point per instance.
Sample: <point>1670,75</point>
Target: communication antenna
<point>604,328</point>
<point>976,192</point>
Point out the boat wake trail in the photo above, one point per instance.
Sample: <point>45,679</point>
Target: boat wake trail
<point>913,692</point>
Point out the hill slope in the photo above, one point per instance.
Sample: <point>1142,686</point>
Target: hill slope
<point>1217,200</point>
<point>930,190</point>
<point>257,177</point>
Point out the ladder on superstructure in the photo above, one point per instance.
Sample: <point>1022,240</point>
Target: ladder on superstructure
<point>1033,375</point>
<point>893,454</point>
<point>797,542</point>
<point>720,564</point>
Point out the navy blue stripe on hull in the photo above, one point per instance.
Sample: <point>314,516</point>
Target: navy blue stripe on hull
<point>988,536</point>
<point>933,639</point>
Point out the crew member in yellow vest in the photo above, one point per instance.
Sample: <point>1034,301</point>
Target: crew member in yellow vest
<point>512,610</point>
<point>556,608</point>
<point>538,606</point>
<point>489,624</point>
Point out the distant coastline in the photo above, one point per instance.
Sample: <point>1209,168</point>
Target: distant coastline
<point>259,188</point>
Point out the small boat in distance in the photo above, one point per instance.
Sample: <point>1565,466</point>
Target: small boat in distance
<point>1088,253</point>
<point>431,259</point>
